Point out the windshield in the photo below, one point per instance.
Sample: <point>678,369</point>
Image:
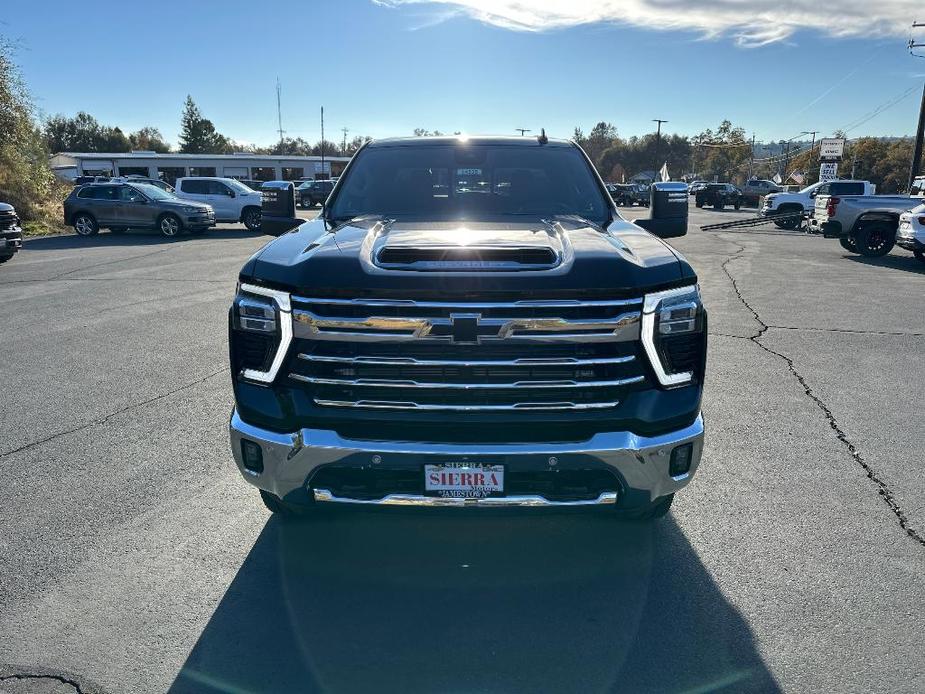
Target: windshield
<point>153,192</point>
<point>462,181</point>
<point>238,187</point>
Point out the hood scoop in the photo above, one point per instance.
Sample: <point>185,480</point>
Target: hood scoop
<point>436,258</point>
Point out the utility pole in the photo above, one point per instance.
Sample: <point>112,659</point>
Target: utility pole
<point>917,154</point>
<point>279,114</point>
<point>658,139</point>
<point>343,149</point>
<point>787,162</point>
<point>322,143</point>
<point>812,149</point>
<point>920,131</point>
<point>751,158</point>
<point>522,131</point>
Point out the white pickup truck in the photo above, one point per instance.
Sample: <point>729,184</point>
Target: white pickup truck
<point>789,205</point>
<point>865,224</point>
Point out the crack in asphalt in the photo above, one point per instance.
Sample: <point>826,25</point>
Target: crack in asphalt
<point>887,333</point>
<point>43,676</point>
<point>109,416</point>
<point>114,279</point>
<point>108,262</point>
<point>882,488</point>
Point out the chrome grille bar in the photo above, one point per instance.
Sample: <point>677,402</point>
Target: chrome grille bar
<point>389,405</point>
<point>411,361</point>
<point>387,383</point>
<point>385,328</point>
<point>467,305</point>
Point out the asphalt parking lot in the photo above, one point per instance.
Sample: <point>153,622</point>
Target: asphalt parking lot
<point>134,558</point>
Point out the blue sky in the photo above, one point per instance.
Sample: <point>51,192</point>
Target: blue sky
<point>386,68</point>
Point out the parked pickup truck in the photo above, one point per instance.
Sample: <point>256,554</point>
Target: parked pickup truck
<point>426,342</point>
<point>10,232</point>
<point>788,206</point>
<point>864,224</point>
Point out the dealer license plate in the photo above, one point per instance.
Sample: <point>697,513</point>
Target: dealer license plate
<point>464,480</point>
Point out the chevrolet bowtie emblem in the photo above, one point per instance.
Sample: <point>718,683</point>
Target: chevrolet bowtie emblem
<point>464,328</point>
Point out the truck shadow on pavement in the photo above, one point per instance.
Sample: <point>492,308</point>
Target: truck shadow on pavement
<point>409,602</point>
<point>66,242</point>
<point>905,262</point>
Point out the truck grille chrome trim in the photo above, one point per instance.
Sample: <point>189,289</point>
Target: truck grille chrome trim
<point>525,303</point>
<point>459,356</point>
<point>324,495</point>
<point>386,383</point>
<point>389,405</point>
<point>411,361</point>
<point>382,328</point>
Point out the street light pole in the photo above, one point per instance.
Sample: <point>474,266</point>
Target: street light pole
<point>658,139</point>
<point>522,131</point>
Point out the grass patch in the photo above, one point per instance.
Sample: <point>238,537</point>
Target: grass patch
<point>42,228</point>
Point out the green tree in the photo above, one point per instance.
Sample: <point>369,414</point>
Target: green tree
<point>26,181</point>
<point>198,134</point>
<point>149,139</point>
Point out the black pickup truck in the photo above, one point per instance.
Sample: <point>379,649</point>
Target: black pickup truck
<point>10,232</point>
<point>469,322</point>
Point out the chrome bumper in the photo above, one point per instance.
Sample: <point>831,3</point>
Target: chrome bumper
<point>290,460</point>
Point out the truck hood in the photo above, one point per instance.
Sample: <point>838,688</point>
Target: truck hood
<point>372,256</point>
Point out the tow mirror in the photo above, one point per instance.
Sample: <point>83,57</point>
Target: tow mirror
<point>668,204</point>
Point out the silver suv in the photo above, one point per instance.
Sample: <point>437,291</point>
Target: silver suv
<point>121,206</point>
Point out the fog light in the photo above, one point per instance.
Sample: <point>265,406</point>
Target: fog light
<point>681,458</point>
<point>253,456</point>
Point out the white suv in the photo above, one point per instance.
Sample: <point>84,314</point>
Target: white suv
<point>232,201</point>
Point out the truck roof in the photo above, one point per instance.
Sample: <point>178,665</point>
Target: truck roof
<point>428,140</point>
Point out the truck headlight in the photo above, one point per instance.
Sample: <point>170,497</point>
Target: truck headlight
<point>260,332</point>
<point>674,328</point>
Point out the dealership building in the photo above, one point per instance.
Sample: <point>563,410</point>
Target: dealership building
<point>171,166</point>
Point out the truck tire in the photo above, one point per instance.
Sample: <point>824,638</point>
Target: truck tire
<point>659,509</point>
<point>251,218</point>
<point>920,256</point>
<point>738,204</point>
<point>280,508</point>
<point>848,244</point>
<point>791,222</point>
<point>85,224</point>
<point>698,203</point>
<point>875,240</point>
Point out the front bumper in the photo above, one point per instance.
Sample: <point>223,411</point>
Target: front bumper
<point>639,463</point>
<point>910,239</point>
<point>201,219</point>
<point>10,241</point>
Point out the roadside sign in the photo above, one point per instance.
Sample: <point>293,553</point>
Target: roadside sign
<point>828,171</point>
<point>831,148</point>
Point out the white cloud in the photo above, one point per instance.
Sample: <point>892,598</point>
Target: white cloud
<point>747,22</point>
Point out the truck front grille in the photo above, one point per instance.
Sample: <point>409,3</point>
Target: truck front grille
<point>466,356</point>
<point>8,220</point>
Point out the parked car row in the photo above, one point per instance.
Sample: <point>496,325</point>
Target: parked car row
<point>196,204</point>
